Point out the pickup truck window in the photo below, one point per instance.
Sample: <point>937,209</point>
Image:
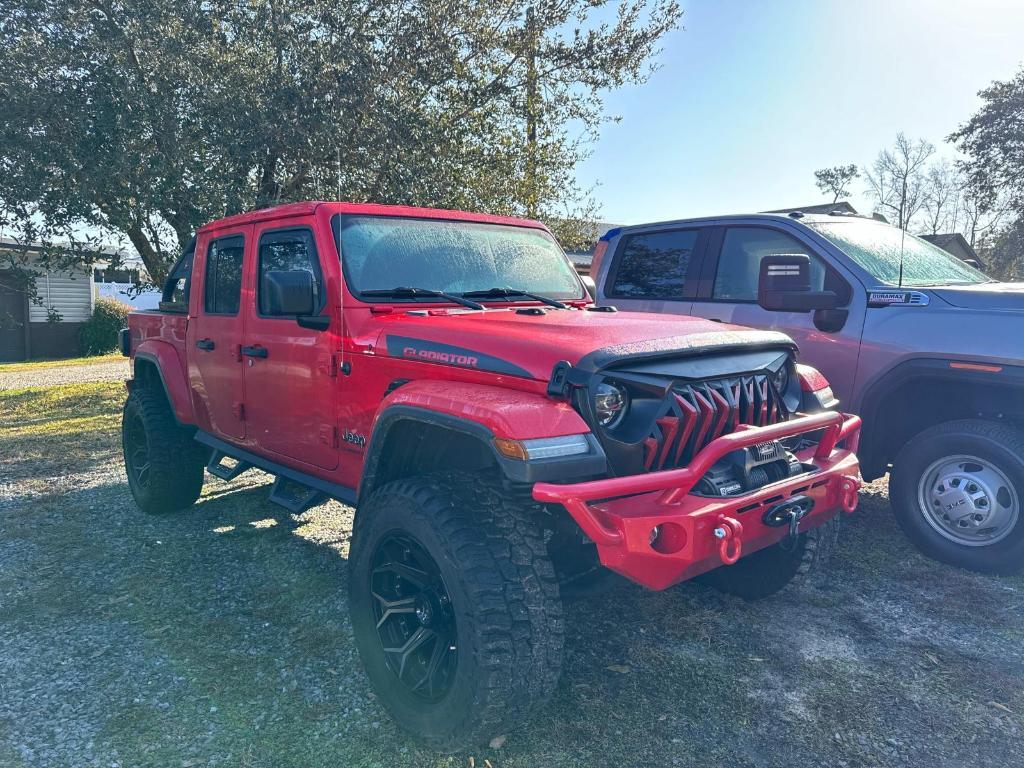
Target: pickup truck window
<point>739,264</point>
<point>285,251</point>
<point>176,287</point>
<point>223,279</point>
<point>384,252</point>
<point>654,265</point>
<point>878,247</point>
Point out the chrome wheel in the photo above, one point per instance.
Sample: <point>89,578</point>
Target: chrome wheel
<point>968,500</point>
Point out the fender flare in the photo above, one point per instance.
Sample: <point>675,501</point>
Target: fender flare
<point>484,413</point>
<point>164,357</point>
<point>933,370</point>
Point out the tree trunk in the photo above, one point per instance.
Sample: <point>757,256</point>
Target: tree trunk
<point>155,264</point>
<point>532,193</point>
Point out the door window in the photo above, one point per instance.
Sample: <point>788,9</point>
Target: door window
<point>286,251</point>
<point>739,264</point>
<point>654,265</point>
<point>223,279</point>
<point>176,288</point>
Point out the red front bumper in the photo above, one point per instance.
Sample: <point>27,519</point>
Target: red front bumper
<point>698,533</point>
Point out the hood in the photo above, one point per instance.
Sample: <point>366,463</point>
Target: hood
<point>1000,296</point>
<point>530,342</point>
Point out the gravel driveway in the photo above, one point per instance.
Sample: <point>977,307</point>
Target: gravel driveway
<point>220,637</point>
<point>51,376</point>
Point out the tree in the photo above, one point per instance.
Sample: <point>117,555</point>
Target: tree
<point>146,118</point>
<point>993,142</point>
<point>943,198</point>
<point>1002,253</point>
<point>835,180</point>
<point>897,179</point>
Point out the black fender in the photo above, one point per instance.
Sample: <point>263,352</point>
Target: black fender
<point>559,469</point>
<point>949,389</point>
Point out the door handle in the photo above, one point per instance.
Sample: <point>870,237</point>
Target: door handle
<point>205,344</point>
<point>254,351</point>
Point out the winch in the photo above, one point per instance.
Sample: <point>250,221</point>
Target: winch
<point>749,469</point>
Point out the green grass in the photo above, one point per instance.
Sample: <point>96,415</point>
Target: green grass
<point>35,365</point>
<point>73,408</point>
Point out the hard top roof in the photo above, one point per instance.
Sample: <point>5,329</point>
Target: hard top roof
<point>364,209</point>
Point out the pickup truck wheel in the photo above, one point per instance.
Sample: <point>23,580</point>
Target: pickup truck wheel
<point>956,490</point>
<point>164,464</point>
<point>765,572</point>
<point>455,608</point>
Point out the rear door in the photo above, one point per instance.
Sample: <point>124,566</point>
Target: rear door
<point>654,270</point>
<point>215,331</point>
<point>830,341</point>
<point>290,372</point>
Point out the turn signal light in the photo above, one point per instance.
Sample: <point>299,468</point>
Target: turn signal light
<point>542,447</point>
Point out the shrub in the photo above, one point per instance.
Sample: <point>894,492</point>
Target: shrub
<point>99,333</point>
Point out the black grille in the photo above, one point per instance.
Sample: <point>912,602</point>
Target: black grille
<point>694,414</point>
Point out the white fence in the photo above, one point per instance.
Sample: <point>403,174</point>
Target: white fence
<point>125,292</point>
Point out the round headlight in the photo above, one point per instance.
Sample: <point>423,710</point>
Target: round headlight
<point>781,379</point>
<point>610,403</point>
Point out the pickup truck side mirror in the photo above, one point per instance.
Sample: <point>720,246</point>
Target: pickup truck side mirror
<point>785,285</point>
<point>590,285</point>
<point>288,293</point>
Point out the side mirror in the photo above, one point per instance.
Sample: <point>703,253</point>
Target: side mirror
<point>590,285</point>
<point>785,285</point>
<point>288,293</point>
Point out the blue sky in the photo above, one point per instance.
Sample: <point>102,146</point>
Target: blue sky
<point>752,97</point>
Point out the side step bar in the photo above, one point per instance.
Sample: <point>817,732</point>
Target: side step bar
<point>217,468</point>
<point>295,497</point>
<point>293,489</point>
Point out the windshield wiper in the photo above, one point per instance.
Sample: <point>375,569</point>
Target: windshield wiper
<point>402,292</point>
<point>505,293</point>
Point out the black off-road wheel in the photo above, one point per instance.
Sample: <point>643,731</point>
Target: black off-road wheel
<point>769,570</point>
<point>455,608</point>
<point>957,490</point>
<point>164,464</point>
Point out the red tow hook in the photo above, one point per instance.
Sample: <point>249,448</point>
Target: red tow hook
<point>729,533</point>
<point>848,494</point>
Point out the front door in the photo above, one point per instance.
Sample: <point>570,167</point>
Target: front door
<point>215,331</point>
<point>13,319</point>
<point>290,374</point>
<point>830,343</point>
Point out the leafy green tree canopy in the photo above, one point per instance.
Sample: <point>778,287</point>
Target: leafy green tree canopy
<point>993,141</point>
<point>147,118</point>
<point>836,180</point>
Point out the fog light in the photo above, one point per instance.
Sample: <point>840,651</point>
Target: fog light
<point>668,538</point>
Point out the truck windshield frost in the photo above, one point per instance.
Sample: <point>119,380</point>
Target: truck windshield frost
<point>877,248</point>
<point>382,253</point>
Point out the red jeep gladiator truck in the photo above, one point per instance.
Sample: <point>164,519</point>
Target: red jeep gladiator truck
<point>500,436</point>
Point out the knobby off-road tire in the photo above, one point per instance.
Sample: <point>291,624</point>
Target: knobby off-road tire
<point>970,473</point>
<point>494,595</point>
<point>765,572</point>
<point>164,463</point>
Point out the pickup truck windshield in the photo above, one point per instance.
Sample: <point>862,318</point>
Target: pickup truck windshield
<point>877,247</point>
<point>457,257</point>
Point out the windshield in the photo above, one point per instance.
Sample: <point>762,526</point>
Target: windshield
<point>379,253</point>
<point>876,247</point>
